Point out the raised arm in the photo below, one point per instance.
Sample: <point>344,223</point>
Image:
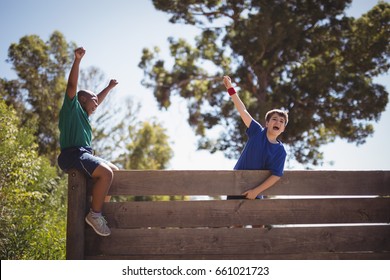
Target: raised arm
<point>106,90</point>
<point>245,116</point>
<point>71,88</point>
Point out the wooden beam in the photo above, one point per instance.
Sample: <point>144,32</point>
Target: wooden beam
<point>300,256</point>
<point>75,240</point>
<point>213,183</point>
<point>246,212</point>
<point>240,242</point>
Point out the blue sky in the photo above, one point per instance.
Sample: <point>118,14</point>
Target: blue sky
<point>114,34</point>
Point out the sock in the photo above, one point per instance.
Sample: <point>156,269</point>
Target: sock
<point>95,214</point>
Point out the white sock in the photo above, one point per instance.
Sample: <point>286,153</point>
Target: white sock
<point>95,214</point>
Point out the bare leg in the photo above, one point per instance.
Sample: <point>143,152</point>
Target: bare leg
<point>113,168</point>
<point>102,176</point>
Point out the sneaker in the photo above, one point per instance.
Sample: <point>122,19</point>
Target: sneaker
<point>99,224</point>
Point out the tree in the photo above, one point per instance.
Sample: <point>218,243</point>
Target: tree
<point>32,197</point>
<point>303,56</point>
<point>149,148</point>
<point>41,68</point>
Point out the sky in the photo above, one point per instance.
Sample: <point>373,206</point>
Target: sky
<point>115,32</point>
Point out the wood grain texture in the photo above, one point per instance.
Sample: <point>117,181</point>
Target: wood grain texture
<point>300,256</point>
<point>246,212</point>
<point>77,186</point>
<point>213,183</point>
<point>357,203</point>
<point>240,242</point>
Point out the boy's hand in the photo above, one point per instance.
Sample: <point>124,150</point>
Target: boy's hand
<point>79,53</point>
<point>112,83</point>
<point>227,82</point>
<point>251,194</point>
<point>102,95</point>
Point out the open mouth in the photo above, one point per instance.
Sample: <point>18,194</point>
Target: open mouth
<point>276,128</point>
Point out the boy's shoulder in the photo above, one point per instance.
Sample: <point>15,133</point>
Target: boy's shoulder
<point>71,102</point>
<point>281,150</point>
<point>255,124</point>
<point>254,128</point>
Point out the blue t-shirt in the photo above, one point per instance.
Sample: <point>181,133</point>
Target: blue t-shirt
<point>260,154</point>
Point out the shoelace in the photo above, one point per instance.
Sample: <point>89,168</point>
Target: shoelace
<point>101,220</point>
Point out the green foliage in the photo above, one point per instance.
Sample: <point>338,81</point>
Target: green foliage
<point>149,148</point>
<point>303,56</point>
<point>31,195</point>
<point>41,68</point>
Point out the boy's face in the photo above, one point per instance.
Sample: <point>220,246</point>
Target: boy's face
<point>89,101</point>
<point>276,124</point>
<point>91,104</point>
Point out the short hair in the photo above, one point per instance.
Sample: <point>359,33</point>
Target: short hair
<point>279,112</point>
<point>86,93</point>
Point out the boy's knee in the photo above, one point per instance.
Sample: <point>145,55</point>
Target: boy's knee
<point>103,171</point>
<point>109,174</point>
<point>114,168</point>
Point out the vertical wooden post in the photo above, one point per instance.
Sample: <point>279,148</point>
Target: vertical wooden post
<point>77,185</point>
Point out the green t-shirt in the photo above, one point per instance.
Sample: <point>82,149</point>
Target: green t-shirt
<point>74,125</point>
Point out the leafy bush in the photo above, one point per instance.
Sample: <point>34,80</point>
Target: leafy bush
<point>32,196</point>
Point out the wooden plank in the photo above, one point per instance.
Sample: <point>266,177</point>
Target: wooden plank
<point>239,241</point>
<point>335,183</point>
<point>246,212</point>
<point>75,217</point>
<point>214,182</point>
<point>164,182</point>
<point>300,256</point>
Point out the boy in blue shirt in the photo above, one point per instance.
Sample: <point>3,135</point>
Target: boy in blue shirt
<point>263,151</point>
<point>75,142</point>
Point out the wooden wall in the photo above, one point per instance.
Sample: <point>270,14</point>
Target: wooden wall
<point>315,215</point>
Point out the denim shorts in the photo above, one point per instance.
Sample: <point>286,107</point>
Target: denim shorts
<point>80,158</point>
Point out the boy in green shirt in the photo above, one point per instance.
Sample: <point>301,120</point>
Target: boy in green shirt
<point>75,142</point>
